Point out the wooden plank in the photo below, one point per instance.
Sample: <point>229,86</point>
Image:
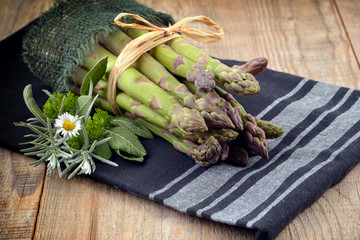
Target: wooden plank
<point>349,11</point>
<point>16,14</point>
<point>93,210</point>
<point>21,188</point>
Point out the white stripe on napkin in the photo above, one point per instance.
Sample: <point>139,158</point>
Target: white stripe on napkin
<point>288,95</point>
<point>173,182</point>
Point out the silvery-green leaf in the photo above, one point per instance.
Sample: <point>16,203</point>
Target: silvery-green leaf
<point>34,129</point>
<point>129,157</point>
<point>31,104</point>
<point>124,140</point>
<point>61,110</point>
<point>29,149</point>
<point>87,114</point>
<point>103,140</point>
<point>94,75</point>
<point>50,95</point>
<point>132,125</point>
<point>84,136</point>
<point>75,172</point>
<point>104,160</point>
<point>83,105</point>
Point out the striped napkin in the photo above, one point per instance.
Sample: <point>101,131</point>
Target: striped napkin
<point>319,147</point>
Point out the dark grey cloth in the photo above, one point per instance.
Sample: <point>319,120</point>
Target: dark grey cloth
<point>319,147</point>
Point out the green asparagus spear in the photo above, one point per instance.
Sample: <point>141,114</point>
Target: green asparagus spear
<point>271,130</point>
<point>254,66</point>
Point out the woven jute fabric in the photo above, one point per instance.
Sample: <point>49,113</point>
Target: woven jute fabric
<point>63,36</point>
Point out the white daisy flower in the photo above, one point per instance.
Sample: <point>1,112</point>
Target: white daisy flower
<point>68,125</point>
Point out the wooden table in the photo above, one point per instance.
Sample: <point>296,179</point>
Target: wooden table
<point>315,39</point>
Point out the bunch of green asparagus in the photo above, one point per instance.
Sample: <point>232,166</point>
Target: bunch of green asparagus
<point>174,92</point>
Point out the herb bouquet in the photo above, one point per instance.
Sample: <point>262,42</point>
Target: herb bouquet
<point>66,136</point>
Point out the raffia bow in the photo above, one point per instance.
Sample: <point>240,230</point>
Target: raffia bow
<point>154,37</point>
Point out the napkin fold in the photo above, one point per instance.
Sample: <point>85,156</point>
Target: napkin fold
<point>319,147</point>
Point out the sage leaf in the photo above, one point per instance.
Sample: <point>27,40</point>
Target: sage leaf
<point>132,125</point>
<point>129,157</point>
<point>124,140</point>
<point>103,150</point>
<point>83,105</point>
<point>31,104</point>
<point>94,76</point>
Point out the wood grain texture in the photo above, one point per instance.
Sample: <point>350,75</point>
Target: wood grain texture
<point>302,37</point>
<point>91,210</point>
<point>16,14</point>
<point>349,11</point>
<point>314,39</point>
<point>21,188</point>
<point>21,185</point>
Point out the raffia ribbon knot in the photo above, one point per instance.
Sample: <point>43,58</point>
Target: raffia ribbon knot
<point>154,37</point>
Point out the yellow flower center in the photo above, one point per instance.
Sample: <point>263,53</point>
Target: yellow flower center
<point>68,126</point>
